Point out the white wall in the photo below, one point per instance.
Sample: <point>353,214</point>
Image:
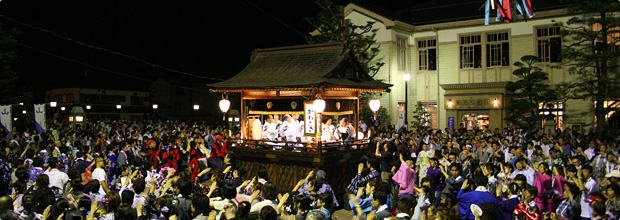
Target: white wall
<point>425,86</point>
<point>383,35</point>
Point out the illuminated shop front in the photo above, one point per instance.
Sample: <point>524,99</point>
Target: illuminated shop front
<point>475,106</point>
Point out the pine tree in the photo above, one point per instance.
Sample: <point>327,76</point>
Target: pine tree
<point>528,93</point>
<point>330,26</point>
<point>420,117</point>
<point>591,52</point>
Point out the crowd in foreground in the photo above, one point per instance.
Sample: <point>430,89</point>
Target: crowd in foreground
<point>170,170</point>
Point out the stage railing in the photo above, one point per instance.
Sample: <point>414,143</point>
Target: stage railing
<point>319,149</point>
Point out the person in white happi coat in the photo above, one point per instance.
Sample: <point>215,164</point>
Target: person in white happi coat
<point>344,131</point>
<point>270,129</point>
<point>300,132</point>
<point>328,130</point>
<point>288,130</point>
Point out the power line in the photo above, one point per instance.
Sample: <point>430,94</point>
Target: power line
<point>101,68</point>
<point>107,50</point>
<point>274,18</point>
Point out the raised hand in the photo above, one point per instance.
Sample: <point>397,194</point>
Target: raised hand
<point>360,167</point>
<point>310,175</point>
<point>465,184</point>
<point>46,212</point>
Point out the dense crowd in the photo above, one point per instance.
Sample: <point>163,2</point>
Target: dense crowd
<point>171,170</point>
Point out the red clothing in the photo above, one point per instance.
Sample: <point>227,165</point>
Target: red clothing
<point>153,154</point>
<point>168,158</point>
<point>195,154</point>
<point>219,150</point>
<point>522,209</point>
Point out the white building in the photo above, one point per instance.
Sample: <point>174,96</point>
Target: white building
<point>459,67</point>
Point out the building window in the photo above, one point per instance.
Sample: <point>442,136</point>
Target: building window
<point>430,118</point>
<point>549,44</point>
<point>615,104</point>
<point>427,54</point>
<point>613,34</point>
<point>498,49</point>
<point>471,52</point>
<point>401,53</point>
<point>552,108</point>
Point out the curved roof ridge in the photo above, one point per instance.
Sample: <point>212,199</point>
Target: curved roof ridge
<point>302,46</point>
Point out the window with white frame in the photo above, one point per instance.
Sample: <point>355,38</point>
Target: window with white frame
<point>471,51</point>
<point>427,54</point>
<point>401,53</point>
<point>498,49</point>
<point>549,44</point>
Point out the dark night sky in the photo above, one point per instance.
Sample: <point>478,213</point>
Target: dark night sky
<point>201,37</point>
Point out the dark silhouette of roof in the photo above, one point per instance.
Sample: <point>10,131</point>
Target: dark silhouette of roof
<point>328,65</point>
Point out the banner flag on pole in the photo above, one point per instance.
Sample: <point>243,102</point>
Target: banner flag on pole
<point>5,118</point>
<point>401,120</point>
<point>39,117</point>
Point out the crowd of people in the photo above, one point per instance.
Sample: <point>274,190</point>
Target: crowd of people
<point>488,174</point>
<point>172,170</point>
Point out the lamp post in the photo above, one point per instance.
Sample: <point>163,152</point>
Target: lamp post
<point>196,108</point>
<point>406,77</point>
<point>155,107</point>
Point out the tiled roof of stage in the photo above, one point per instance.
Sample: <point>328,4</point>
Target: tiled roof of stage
<point>327,65</point>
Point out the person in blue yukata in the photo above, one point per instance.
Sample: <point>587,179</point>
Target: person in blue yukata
<point>478,196</point>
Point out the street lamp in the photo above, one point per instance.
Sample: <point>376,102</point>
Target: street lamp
<point>196,107</point>
<point>53,104</point>
<point>119,106</point>
<point>88,107</point>
<point>62,108</point>
<point>155,106</point>
<point>406,77</point>
<point>24,112</point>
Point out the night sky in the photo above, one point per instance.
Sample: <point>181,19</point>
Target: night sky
<point>200,37</point>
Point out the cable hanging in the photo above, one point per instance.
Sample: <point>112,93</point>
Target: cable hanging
<point>109,51</point>
<point>101,68</point>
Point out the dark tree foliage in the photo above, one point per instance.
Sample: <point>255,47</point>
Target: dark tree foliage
<point>591,52</point>
<point>528,93</point>
<point>10,92</point>
<point>419,116</point>
<point>330,26</point>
